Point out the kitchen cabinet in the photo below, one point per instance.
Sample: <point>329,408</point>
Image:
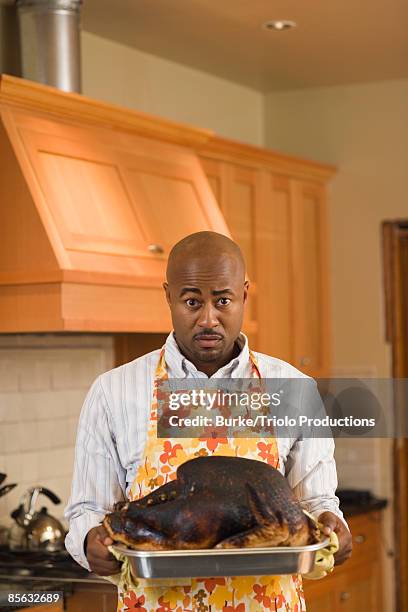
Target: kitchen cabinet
<point>276,211</point>
<point>100,194</point>
<point>355,585</point>
<point>92,598</point>
<point>309,256</point>
<point>159,190</point>
<point>56,607</point>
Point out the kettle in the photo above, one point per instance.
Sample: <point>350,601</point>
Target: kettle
<point>36,530</point>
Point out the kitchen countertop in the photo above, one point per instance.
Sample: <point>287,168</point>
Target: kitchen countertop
<point>13,580</point>
<point>350,509</point>
<point>44,576</point>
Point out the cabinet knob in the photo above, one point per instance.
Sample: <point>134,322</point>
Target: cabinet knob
<point>155,248</point>
<point>305,361</point>
<point>360,538</point>
<point>344,596</point>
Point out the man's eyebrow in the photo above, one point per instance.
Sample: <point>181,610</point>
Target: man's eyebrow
<point>189,290</point>
<point>221,291</point>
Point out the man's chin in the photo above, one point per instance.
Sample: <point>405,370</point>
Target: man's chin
<point>208,355</point>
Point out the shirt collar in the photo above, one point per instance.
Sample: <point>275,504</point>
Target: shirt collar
<point>180,367</point>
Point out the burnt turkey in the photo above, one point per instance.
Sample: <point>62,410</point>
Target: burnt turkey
<point>222,502</point>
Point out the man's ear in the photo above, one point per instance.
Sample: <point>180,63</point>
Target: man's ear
<point>167,292</point>
<point>246,287</point>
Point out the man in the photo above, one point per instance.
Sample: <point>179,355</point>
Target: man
<point>206,291</point>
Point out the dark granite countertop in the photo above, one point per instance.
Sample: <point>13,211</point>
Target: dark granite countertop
<point>21,567</point>
<point>354,508</point>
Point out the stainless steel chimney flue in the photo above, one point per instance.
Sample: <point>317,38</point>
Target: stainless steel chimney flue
<point>50,42</point>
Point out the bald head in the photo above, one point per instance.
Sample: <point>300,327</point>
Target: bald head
<point>206,291</point>
<point>202,247</point>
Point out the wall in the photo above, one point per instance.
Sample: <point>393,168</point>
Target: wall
<point>122,75</point>
<point>43,382</point>
<point>363,129</point>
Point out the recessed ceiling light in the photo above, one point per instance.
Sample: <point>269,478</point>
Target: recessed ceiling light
<point>279,24</point>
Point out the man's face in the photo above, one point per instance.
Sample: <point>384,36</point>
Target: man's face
<point>206,298</point>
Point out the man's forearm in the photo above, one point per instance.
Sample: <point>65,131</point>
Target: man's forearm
<point>99,478</point>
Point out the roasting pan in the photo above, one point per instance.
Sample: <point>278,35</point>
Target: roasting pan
<point>215,562</point>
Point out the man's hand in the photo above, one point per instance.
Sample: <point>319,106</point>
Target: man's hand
<point>331,523</point>
<point>100,560</point>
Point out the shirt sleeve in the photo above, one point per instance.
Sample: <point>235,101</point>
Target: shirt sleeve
<point>99,479</point>
<point>312,476</point>
<point>311,467</point>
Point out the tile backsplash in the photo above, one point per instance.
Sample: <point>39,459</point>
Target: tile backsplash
<point>43,383</point>
<point>363,463</point>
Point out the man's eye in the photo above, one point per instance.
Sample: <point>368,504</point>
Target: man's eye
<point>224,301</point>
<point>191,302</point>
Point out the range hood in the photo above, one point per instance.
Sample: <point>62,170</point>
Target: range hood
<point>93,196</point>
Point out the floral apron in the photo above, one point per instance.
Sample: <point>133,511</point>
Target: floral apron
<point>229,594</point>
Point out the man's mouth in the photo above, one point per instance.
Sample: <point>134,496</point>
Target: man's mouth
<point>208,340</point>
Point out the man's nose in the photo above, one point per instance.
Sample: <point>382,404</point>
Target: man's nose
<point>208,316</point>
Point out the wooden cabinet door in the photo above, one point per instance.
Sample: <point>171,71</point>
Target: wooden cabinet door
<point>79,181</point>
<point>280,224</point>
<point>169,190</point>
<point>359,589</point>
<point>102,195</point>
<point>320,595</point>
<point>274,268</point>
<point>237,189</point>
<point>310,278</point>
<point>240,209</point>
<point>92,598</point>
<point>351,590</point>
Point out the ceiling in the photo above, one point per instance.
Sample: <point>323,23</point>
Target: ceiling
<point>336,42</point>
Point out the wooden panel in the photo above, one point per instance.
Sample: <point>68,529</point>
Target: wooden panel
<point>215,176</point>
<point>366,530</point>
<point>85,195</point>
<point>168,186</point>
<point>215,187</point>
<point>309,260</point>
<point>73,108</point>
<point>322,602</point>
<point>281,227</point>
<point>354,590</point>
<point>321,595</point>
<point>56,607</point>
<point>104,197</point>
<point>357,584</point>
<point>360,589</point>
<point>92,598</point>
<point>250,156</point>
<point>240,212</point>
<point>77,307</point>
<point>24,246</point>
<point>274,271</point>
<point>25,308</point>
<point>124,308</point>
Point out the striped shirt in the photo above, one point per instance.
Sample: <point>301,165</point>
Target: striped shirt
<point>112,432</point>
